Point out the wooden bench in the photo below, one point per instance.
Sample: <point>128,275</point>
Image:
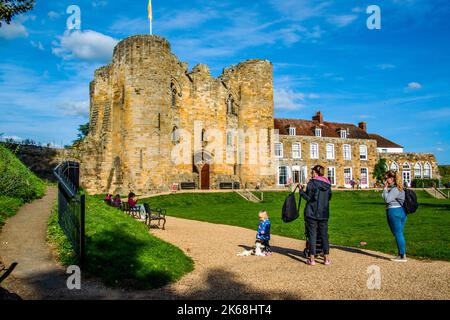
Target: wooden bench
<point>187,185</point>
<point>135,212</point>
<point>154,214</point>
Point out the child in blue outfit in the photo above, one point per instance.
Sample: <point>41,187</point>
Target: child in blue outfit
<point>263,233</point>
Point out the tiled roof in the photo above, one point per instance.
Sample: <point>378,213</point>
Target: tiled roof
<point>382,142</point>
<point>329,129</point>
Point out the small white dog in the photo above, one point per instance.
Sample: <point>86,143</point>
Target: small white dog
<point>257,251</point>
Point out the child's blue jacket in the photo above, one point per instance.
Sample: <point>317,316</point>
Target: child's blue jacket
<point>263,230</point>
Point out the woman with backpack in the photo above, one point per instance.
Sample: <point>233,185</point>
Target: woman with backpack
<point>394,197</point>
<point>317,212</point>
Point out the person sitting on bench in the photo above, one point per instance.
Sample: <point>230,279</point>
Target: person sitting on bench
<point>108,199</point>
<point>132,201</point>
<point>116,201</point>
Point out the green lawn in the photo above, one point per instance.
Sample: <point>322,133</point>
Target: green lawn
<point>120,250</point>
<point>355,216</point>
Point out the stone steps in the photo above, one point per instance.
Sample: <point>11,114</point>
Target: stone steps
<point>436,193</point>
<point>247,195</point>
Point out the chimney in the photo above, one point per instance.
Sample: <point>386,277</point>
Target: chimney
<point>363,126</point>
<point>318,117</point>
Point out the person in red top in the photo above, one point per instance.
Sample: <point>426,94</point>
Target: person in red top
<point>132,201</point>
<point>108,199</point>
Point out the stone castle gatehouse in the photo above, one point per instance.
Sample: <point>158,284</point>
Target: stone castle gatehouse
<point>146,102</point>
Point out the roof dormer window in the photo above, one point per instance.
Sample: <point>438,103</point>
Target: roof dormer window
<point>318,132</point>
<point>343,133</point>
<point>292,131</point>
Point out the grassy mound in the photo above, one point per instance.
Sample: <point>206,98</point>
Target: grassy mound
<point>120,250</point>
<point>355,217</point>
<point>17,184</point>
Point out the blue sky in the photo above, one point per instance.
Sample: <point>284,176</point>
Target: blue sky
<point>325,58</point>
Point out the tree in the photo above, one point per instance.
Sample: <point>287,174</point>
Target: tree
<point>380,170</point>
<point>10,8</point>
<point>83,131</point>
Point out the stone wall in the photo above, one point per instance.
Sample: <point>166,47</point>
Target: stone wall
<point>42,160</point>
<point>145,94</point>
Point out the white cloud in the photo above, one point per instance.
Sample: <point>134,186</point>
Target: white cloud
<point>53,15</point>
<point>287,99</point>
<point>414,86</point>
<point>15,138</point>
<point>14,30</point>
<point>342,20</point>
<point>85,45</point>
<point>439,149</point>
<point>300,10</point>
<point>76,108</point>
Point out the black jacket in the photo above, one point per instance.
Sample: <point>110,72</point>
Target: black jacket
<point>317,196</point>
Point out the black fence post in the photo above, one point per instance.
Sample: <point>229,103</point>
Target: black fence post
<point>82,230</point>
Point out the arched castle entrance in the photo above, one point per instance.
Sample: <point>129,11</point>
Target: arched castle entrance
<point>202,161</point>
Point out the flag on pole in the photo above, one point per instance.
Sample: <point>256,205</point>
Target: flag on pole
<point>150,14</point>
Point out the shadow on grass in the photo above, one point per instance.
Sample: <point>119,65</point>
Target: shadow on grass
<point>115,257</point>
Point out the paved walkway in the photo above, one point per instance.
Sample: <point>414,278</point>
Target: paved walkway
<point>219,273</point>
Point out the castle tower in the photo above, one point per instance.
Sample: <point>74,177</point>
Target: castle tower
<point>146,95</point>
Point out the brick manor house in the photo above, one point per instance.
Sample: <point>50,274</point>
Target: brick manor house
<point>146,103</point>
<point>348,152</point>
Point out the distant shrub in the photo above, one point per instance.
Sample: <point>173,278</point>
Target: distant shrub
<point>16,180</point>
<point>425,183</point>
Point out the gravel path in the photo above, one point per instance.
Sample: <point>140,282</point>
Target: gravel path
<point>219,273</point>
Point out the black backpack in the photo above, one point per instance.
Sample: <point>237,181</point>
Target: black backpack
<point>410,204</point>
<point>290,211</point>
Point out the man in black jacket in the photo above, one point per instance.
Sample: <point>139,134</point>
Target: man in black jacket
<point>317,212</point>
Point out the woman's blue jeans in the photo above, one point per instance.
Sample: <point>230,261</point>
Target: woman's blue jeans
<point>396,219</point>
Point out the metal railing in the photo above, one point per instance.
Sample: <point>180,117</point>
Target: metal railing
<point>71,206</point>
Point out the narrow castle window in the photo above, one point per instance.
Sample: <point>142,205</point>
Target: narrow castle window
<point>203,137</point>
<point>230,105</point>
<point>174,96</point>
<point>175,135</point>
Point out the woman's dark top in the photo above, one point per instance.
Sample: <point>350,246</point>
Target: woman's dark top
<point>317,196</point>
